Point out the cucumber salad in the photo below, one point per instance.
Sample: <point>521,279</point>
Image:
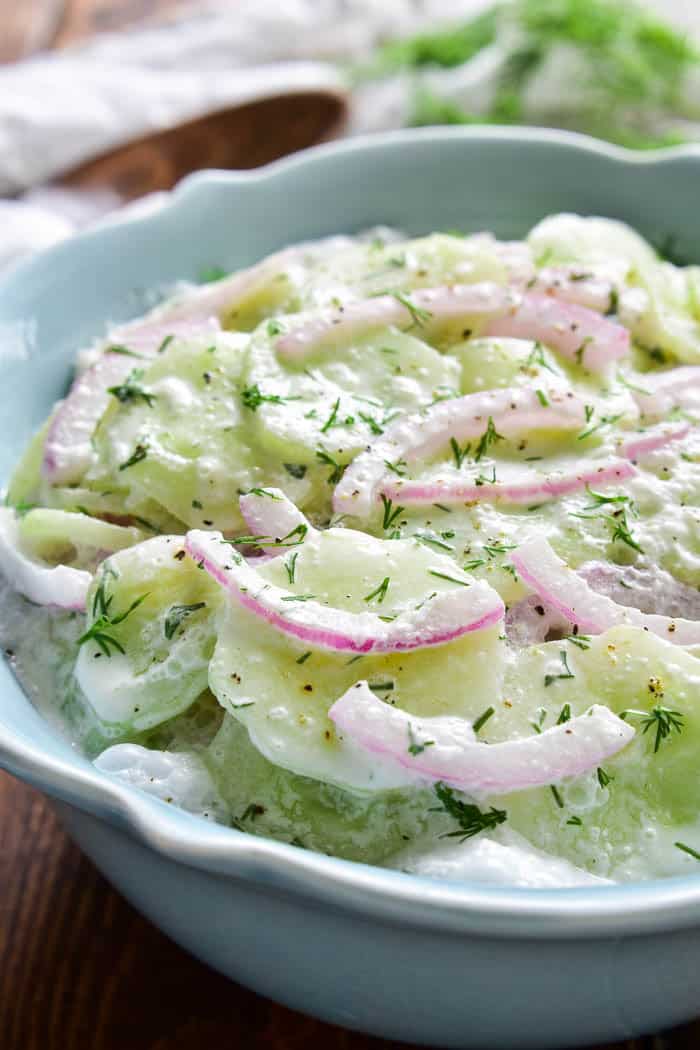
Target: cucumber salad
<point>389,549</point>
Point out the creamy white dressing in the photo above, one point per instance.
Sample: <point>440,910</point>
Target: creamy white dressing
<point>507,861</point>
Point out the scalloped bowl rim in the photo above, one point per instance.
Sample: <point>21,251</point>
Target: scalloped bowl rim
<point>643,907</point>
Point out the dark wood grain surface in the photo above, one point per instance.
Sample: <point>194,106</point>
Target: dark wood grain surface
<point>79,968</point>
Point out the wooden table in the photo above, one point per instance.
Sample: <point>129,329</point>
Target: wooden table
<point>79,968</point>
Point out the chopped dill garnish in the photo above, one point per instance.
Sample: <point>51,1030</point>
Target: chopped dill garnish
<point>379,592</point>
<point>663,720</point>
<point>373,424</point>
<point>398,468</point>
<point>536,358</point>
<point>131,391</point>
<point>470,818</point>
<point>419,316</point>
<point>621,531</point>
<point>549,679</point>
<point>483,718</point>
<point>564,715</point>
<point>600,499</point>
<point>333,417</point>
<point>459,454</point>
<point>390,512</point>
<point>434,541</point>
<point>605,421</point>
<point>98,632</point>
<point>414,747</point>
<point>252,397</point>
<point>687,849</point>
<point>488,438</point>
<point>296,470</point>
<point>139,453</point>
<point>176,614</point>
<point>583,641</point>
<point>291,565</point>
<point>452,579</point>
<point>603,778</point>
<point>337,470</point>
<point>492,549</point>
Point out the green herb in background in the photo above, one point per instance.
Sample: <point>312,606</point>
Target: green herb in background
<point>633,67</point>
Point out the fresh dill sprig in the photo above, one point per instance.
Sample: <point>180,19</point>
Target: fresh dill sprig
<point>419,316</point>
<point>460,454</point>
<point>98,632</point>
<point>488,438</point>
<point>687,849</point>
<point>549,679</point>
<point>451,579</point>
<point>175,616</point>
<point>471,820</point>
<point>414,746</point>
<point>662,720</point>
<point>379,592</point>
<point>130,389</point>
<point>291,565</point>
<point>139,454</point>
<point>390,512</point>
<point>337,469</point>
<point>252,397</point>
<point>483,718</point>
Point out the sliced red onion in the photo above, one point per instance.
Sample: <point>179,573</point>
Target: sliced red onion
<point>146,336</point>
<point>444,748</point>
<point>67,449</point>
<point>548,576</point>
<point>576,284</point>
<point>577,333</point>
<point>437,621</point>
<point>530,487</point>
<point>514,412</point>
<point>61,586</point>
<point>268,513</point>
<point>675,388</point>
<point>425,307</point>
<point>645,444</point>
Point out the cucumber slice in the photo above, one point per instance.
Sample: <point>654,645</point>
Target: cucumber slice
<point>572,238</point>
<point>267,800</point>
<point>665,317</point>
<point>188,446</point>
<point>489,364</point>
<point>25,483</point>
<point>58,536</point>
<point>281,692</point>
<point>651,793</point>
<point>150,636</point>
<point>339,401</point>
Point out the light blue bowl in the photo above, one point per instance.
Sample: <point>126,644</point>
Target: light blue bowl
<point>430,962</point>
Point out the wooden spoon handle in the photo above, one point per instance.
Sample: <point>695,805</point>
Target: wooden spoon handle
<point>241,137</point>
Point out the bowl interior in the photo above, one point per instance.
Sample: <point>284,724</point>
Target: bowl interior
<point>467,179</point>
